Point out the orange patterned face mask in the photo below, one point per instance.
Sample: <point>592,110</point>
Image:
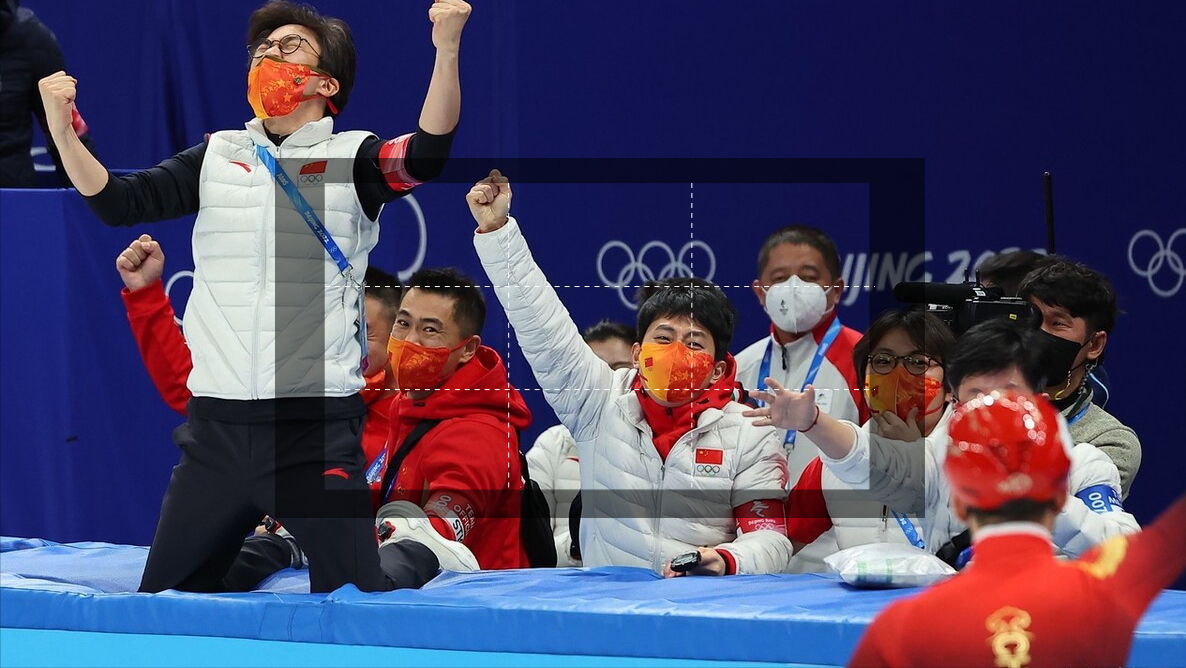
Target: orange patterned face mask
<point>672,372</point>
<point>275,87</point>
<point>900,392</point>
<point>417,367</point>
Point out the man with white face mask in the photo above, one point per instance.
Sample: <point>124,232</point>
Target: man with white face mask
<point>799,285</point>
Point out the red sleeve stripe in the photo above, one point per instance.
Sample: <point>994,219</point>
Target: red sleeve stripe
<point>393,165</point>
<point>764,514</point>
<point>730,561</point>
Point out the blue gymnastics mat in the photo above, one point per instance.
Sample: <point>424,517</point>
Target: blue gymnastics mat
<point>603,612</point>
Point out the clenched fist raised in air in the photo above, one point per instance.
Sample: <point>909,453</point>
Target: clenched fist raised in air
<point>448,18</point>
<point>141,263</point>
<point>58,91</point>
<point>490,201</point>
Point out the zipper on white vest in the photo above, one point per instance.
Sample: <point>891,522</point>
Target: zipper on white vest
<point>263,278</point>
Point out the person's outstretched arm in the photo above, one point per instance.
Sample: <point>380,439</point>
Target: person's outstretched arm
<point>162,345</point>
<point>58,92</point>
<point>45,58</point>
<point>168,190</point>
<point>572,377</point>
<point>392,168</point>
<point>442,104</point>
<point>797,411</point>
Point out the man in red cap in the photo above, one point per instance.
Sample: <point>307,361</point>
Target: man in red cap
<point>1015,604</point>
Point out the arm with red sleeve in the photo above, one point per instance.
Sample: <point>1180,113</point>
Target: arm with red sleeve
<point>759,491</point>
<point>807,510</point>
<point>388,169</point>
<point>466,469</point>
<point>161,343</point>
<point>1138,566</point>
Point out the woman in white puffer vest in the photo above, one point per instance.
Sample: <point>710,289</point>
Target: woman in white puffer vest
<point>669,466</point>
<point>899,365</point>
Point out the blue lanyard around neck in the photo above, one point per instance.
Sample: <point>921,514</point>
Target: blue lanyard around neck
<point>909,530</point>
<point>307,212</point>
<point>812,371</point>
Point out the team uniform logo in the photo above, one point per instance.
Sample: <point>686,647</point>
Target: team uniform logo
<point>709,463</point>
<point>1010,640</point>
<point>313,173</point>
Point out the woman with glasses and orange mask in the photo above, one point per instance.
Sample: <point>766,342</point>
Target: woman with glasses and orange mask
<point>900,364</point>
<point>287,213</point>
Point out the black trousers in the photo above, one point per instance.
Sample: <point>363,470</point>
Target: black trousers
<point>260,557</point>
<point>306,473</point>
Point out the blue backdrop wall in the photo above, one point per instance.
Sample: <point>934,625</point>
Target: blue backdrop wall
<point>695,106</point>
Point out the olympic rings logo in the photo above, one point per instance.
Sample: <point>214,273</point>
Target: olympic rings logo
<point>1165,255</point>
<point>169,288</point>
<point>636,271</point>
<point>421,236</point>
<point>308,179</point>
<point>708,469</point>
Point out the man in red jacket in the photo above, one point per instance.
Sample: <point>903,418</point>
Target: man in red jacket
<point>167,359</point>
<point>451,475</point>
<point>1015,604</point>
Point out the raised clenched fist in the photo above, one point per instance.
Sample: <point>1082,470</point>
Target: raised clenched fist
<point>58,91</point>
<point>448,18</point>
<point>141,263</point>
<point>490,201</point>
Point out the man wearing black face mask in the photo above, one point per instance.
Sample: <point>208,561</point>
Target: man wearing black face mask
<point>1078,308</point>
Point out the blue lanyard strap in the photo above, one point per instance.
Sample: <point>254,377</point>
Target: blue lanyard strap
<point>306,211</point>
<point>909,530</point>
<point>812,371</point>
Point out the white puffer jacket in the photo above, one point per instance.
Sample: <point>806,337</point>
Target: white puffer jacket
<point>554,465</point>
<point>270,315</point>
<point>639,510</point>
<point>911,480</point>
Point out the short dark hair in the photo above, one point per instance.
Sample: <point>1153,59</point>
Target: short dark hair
<point>335,41</point>
<point>384,287</point>
<point>995,345</point>
<point>694,298</point>
<point>804,235</point>
<point>1007,270</point>
<point>605,330</point>
<point>1083,291</point>
<point>1017,510</point>
<point>469,306</point>
<point>926,331</point>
